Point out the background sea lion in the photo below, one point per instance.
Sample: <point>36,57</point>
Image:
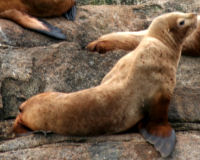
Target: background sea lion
<point>138,87</point>
<point>191,46</point>
<point>21,12</point>
<point>129,41</point>
<point>118,40</point>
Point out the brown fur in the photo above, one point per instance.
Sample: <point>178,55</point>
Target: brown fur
<point>191,46</point>
<point>130,40</point>
<point>39,8</point>
<point>21,11</point>
<point>156,121</point>
<point>121,40</point>
<point>143,80</point>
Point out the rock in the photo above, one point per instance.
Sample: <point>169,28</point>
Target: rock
<point>122,147</point>
<point>5,130</point>
<point>122,18</point>
<point>172,3</point>
<point>31,63</point>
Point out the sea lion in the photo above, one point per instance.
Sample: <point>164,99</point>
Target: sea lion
<point>191,46</point>
<point>21,12</point>
<point>138,88</point>
<point>130,40</point>
<point>127,41</point>
<point>118,40</point>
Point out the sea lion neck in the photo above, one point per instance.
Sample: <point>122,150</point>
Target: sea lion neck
<point>175,44</point>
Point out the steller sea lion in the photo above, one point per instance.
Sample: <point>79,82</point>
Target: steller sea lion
<point>191,46</point>
<point>21,12</point>
<point>129,41</point>
<point>138,88</point>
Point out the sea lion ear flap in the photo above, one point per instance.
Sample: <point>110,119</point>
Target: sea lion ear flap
<point>168,30</point>
<point>33,24</point>
<point>165,145</point>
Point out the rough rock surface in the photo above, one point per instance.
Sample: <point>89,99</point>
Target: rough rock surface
<point>115,147</point>
<point>31,63</point>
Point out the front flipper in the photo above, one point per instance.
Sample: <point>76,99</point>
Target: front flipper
<point>45,133</point>
<point>165,145</point>
<point>155,127</point>
<point>118,40</point>
<point>71,14</point>
<point>33,24</point>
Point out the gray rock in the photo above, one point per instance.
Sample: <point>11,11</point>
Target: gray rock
<point>122,147</point>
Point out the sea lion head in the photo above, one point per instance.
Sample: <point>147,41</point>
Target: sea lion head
<point>173,28</point>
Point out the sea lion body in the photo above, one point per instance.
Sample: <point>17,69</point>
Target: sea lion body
<point>95,112</point>
<point>114,106</point>
<point>21,11</point>
<point>191,46</point>
<point>130,40</point>
<point>38,8</point>
<point>138,87</point>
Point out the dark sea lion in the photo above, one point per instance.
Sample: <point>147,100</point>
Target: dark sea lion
<point>138,89</point>
<point>24,12</point>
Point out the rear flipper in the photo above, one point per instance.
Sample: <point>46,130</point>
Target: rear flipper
<point>165,145</point>
<point>45,133</point>
<point>71,14</point>
<point>33,24</point>
<point>51,31</point>
<point>20,129</point>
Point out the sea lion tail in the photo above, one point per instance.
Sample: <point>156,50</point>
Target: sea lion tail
<point>33,24</point>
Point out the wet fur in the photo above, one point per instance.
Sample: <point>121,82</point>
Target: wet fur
<point>138,88</point>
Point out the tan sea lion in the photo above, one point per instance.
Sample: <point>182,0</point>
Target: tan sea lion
<point>138,88</point>
<point>127,41</point>
<point>21,12</point>
<point>130,40</point>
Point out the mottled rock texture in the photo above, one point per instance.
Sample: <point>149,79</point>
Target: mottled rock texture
<point>31,63</point>
<point>116,147</point>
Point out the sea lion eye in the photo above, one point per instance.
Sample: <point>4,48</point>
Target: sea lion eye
<point>181,22</point>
